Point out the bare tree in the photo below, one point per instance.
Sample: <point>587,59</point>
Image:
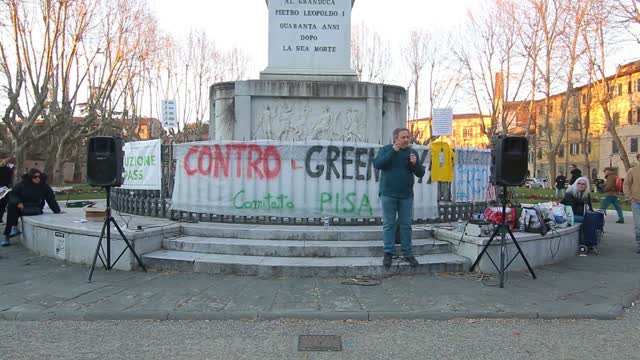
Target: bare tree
<point>30,53</point>
<point>600,37</point>
<point>236,63</point>
<point>112,69</point>
<point>370,55</point>
<point>416,58</point>
<point>553,20</point>
<point>493,62</point>
<point>628,12</point>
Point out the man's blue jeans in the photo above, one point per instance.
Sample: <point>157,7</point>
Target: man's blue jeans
<point>635,207</point>
<point>612,199</point>
<point>397,212</point>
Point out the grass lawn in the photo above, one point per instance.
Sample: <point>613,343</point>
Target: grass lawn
<point>79,192</point>
<point>525,195</point>
<point>534,196</point>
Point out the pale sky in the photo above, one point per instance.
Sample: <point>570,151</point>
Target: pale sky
<point>245,22</point>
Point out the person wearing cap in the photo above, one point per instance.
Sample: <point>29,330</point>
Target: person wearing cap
<point>631,188</point>
<point>611,192</point>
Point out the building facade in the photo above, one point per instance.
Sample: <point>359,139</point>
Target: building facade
<point>467,131</point>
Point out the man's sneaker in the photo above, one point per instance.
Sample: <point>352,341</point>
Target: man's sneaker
<point>620,222</point>
<point>5,242</point>
<point>14,232</point>
<point>411,260</point>
<point>386,261</point>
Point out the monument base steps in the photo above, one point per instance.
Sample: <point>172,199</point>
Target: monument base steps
<point>314,251</point>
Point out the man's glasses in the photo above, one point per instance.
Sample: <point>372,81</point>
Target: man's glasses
<point>35,177</point>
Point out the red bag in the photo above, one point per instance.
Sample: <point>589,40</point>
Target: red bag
<point>619,186</point>
<point>494,216</point>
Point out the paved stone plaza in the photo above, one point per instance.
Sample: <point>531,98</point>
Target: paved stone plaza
<point>36,288</point>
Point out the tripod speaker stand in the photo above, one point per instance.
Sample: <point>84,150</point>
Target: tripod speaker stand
<point>105,257</point>
<point>503,229</point>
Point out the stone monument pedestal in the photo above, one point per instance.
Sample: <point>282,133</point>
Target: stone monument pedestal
<point>306,110</point>
<point>308,90</point>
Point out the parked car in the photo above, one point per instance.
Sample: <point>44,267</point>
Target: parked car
<point>535,183</point>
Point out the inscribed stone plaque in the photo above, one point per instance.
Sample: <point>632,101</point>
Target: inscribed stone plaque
<point>309,36</point>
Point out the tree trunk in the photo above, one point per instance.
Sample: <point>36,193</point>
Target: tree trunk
<point>58,165</point>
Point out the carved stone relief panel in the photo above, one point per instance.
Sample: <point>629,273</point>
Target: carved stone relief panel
<point>308,119</point>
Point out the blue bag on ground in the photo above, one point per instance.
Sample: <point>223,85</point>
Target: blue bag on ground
<point>591,228</point>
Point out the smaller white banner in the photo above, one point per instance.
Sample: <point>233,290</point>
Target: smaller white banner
<point>59,245</point>
<point>169,114</point>
<point>142,165</point>
<point>442,122</point>
<point>471,176</point>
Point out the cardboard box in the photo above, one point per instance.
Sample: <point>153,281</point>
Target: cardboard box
<point>95,214</point>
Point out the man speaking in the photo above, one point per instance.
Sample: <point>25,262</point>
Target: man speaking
<point>398,164</point>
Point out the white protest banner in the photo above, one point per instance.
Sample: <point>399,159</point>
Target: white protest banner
<point>442,124</point>
<point>287,179</point>
<point>142,166</point>
<point>471,175</point>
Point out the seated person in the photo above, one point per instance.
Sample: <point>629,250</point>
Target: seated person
<point>578,196</point>
<point>27,198</point>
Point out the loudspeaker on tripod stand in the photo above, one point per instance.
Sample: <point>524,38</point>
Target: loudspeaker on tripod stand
<point>105,160</point>
<point>509,156</point>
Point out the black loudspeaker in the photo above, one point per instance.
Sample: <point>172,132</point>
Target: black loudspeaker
<point>509,157</point>
<point>105,158</point>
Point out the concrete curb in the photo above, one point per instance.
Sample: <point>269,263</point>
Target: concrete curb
<point>629,299</point>
<point>612,313</point>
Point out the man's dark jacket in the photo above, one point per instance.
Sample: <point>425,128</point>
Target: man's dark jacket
<point>397,177</point>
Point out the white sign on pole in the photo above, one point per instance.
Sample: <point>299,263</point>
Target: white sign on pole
<point>142,165</point>
<point>169,114</point>
<point>442,122</point>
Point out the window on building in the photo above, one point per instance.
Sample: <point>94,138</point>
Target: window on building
<point>614,147</point>
<point>589,147</point>
<point>637,85</point>
<point>574,149</point>
<point>467,132</point>
<point>575,123</point>
<point>616,118</point>
<point>540,132</point>
<point>634,145</point>
<point>619,89</point>
<point>531,157</point>
<point>629,87</point>
<point>612,89</point>
<point>539,153</point>
<point>638,115</point>
<point>575,103</point>
<point>630,117</point>
<point>561,151</point>
<point>550,107</point>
